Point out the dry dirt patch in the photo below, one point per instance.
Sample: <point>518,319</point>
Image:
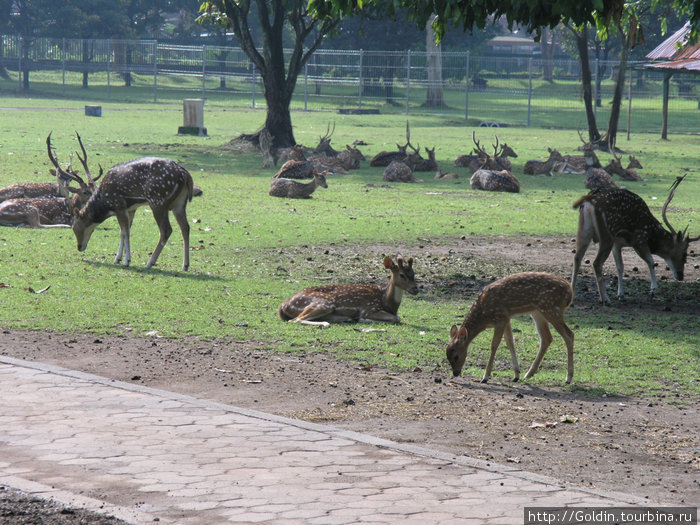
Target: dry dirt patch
<point>649,447</point>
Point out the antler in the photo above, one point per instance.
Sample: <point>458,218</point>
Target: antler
<point>408,139</point>
<point>328,135</point>
<point>481,152</point>
<point>668,201</point>
<point>495,147</point>
<point>69,174</point>
<point>83,161</point>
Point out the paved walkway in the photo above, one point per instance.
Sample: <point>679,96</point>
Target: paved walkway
<point>143,454</point>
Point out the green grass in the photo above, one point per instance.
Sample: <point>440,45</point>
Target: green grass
<point>251,251</point>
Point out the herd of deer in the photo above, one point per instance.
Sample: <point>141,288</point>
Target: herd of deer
<point>610,216</point>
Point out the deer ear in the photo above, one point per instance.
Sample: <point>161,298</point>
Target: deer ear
<point>462,334</point>
<point>410,262</point>
<point>388,263</point>
<point>52,172</point>
<point>453,331</point>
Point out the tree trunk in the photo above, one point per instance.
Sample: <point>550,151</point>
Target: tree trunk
<point>279,120</point>
<point>434,97</point>
<point>547,49</point>
<point>582,45</point>
<point>617,97</point>
<point>86,60</point>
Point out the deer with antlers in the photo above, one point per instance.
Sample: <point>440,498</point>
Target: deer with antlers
<point>616,218</point>
<point>629,173</point>
<point>337,303</point>
<point>542,295</point>
<point>160,183</point>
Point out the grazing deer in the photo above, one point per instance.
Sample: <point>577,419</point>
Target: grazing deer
<point>398,171</point>
<point>542,295</point>
<point>337,303</point>
<point>162,184</point>
<point>616,218</point>
<point>537,167</point>
<point>44,212</point>
<point>295,169</point>
<point>297,190</point>
<point>490,180</point>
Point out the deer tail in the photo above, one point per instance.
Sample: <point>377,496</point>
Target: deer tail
<point>580,202</point>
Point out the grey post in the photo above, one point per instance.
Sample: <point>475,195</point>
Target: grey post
<point>204,71</point>
<point>63,67</point>
<point>359,90</point>
<point>155,72</point>
<point>466,90</point>
<point>529,89</point>
<point>408,78</point>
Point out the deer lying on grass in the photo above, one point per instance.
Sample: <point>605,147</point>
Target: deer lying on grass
<point>596,178</point>
<point>162,184</point>
<point>616,218</point>
<point>297,190</point>
<point>629,173</point>
<point>537,167</point>
<point>384,158</point>
<point>544,296</point>
<point>46,212</point>
<point>398,171</point>
<point>295,169</point>
<point>490,180</point>
<point>337,303</point>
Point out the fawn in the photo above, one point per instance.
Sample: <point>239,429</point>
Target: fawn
<point>542,295</point>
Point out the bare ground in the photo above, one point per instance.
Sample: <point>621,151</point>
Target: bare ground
<point>645,446</point>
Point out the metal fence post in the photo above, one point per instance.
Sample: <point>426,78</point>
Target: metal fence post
<point>63,68</point>
<point>19,59</point>
<point>529,89</point>
<point>109,61</point>
<point>595,87</point>
<point>253,85</point>
<point>466,89</point>
<point>155,72</point>
<point>306,86</point>
<point>629,102</point>
<point>359,89</point>
<point>408,78</point>
<point>204,71</point>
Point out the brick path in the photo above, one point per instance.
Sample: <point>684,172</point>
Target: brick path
<point>141,454</point>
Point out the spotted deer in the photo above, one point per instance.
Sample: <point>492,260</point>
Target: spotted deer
<point>490,180</point>
<point>85,189</point>
<point>162,184</point>
<point>337,303</point>
<point>542,295</point>
<point>297,190</point>
<point>629,173</point>
<point>537,167</point>
<point>616,218</point>
<point>42,212</point>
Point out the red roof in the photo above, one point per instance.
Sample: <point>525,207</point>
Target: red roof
<point>675,56</point>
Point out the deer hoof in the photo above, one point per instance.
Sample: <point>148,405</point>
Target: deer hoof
<point>485,380</point>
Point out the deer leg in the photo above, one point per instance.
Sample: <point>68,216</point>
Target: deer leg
<point>314,311</point>
<point>583,239</point>
<point>603,253</point>
<point>617,254</point>
<point>161,217</point>
<point>181,217</point>
<point>124,227</point>
<point>545,340</point>
<point>511,346</point>
<point>649,259</point>
<point>497,336</point>
<point>568,336</point>
<point>382,316</point>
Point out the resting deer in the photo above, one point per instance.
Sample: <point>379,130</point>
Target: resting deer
<point>297,190</point>
<point>544,296</point>
<point>30,190</point>
<point>398,171</point>
<point>295,169</point>
<point>537,167</point>
<point>384,158</point>
<point>490,180</point>
<point>162,184</point>
<point>596,178</point>
<point>337,303</point>
<point>629,173</point>
<point>616,218</point>
<point>46,212</point>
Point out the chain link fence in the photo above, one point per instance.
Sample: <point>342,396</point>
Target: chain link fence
<point>483,90</point>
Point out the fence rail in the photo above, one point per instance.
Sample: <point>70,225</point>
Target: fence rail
<point>522,90</point>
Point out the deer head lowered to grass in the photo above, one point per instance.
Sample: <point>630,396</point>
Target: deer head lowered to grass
<point>160,183</point>
<point>336,303</point>
<point>616,218</point>
<point>544,296</point>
